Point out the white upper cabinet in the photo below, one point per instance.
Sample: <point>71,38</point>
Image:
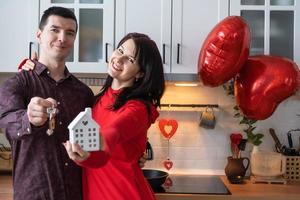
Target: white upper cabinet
<point>192,20</point>
<point>178,27</point>
<point>273,26</point>
<point>19,20</point>
<point>95,37</point>
<point>149,17</point>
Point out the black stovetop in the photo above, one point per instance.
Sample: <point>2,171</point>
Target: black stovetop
<point>194,184</point>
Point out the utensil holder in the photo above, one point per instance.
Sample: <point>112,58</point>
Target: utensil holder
<point>292,171</point>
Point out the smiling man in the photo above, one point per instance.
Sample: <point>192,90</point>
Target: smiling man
<point>42,168</point>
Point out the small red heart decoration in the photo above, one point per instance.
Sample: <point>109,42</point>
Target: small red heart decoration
<point>168,127</point>
<point>168,164</point>
<point>168,183</point>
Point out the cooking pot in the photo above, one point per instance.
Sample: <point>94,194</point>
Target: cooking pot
<point>155,177</point>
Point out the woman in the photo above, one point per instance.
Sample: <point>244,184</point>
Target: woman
<point>125,108</point>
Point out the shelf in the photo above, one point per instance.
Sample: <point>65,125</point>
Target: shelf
<point>187,107</point>
<point>191,105</point>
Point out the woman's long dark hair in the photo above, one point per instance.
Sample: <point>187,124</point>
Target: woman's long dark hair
<point>150,87</point>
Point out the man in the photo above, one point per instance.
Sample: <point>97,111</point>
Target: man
<point>41,166</point>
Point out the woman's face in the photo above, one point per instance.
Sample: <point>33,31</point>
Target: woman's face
<point>123,66</point>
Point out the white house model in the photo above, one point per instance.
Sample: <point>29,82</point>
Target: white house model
<point>85,131</point>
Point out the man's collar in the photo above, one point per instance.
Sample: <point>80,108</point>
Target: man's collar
<point>40,68</point>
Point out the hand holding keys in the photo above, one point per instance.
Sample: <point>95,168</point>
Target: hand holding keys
<point>51,111</point>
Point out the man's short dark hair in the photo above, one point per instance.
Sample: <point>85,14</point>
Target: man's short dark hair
<point>58,11</point>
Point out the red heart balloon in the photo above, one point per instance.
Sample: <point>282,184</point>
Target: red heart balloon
<point>224,51</point>
<point>263,83</point>
<point>168,164</point>
<point>168,127</point>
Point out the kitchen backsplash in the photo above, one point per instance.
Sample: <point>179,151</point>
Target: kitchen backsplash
<point>196,150</point>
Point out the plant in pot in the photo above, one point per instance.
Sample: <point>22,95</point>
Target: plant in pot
<point>253,138</point>
<point>235,169</point>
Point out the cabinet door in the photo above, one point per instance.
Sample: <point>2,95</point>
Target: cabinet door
<point>19,20</point>
<point>178,27</point>
<point>149,17</point>
<point>273,26</point>
<point>95,37</point>
<point>192,20</point>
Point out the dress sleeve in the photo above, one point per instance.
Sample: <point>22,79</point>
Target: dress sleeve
<point>132,121</point>
<point>13,111</point>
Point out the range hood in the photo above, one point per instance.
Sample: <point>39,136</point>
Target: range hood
<point>181,77</point>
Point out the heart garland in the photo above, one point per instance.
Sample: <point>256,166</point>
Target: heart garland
<point>168,164</point>
<point>168,128</point>
<point>168,183</point>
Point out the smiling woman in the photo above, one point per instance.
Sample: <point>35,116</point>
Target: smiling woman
<point>125,108</point>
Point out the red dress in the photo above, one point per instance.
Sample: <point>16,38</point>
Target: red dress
<point>114,174</point>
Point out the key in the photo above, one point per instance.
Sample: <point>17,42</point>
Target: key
<point>51,111</point>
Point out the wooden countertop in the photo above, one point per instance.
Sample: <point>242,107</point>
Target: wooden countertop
<point>246,191</point>
<point>6,192</point>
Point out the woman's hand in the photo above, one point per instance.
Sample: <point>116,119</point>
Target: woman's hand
<point>75,152</point>
<point>143,160</point>
<point>28,64</point>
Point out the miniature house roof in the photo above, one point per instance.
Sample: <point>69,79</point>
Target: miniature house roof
<point>84,115</point>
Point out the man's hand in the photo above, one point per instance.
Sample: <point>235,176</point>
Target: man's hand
<point>37,110</point>
<point>75,152</point>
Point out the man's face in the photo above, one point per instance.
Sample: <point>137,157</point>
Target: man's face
<point>57,38</point>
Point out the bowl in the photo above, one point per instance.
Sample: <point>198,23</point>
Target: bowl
<point>155,177</point>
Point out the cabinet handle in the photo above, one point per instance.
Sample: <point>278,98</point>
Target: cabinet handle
<point>164,53</point>
<point>106,52</point>
<point>178,52</point>
<point>30,49</point>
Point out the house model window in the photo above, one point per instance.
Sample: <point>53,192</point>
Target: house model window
<point>84,131</point>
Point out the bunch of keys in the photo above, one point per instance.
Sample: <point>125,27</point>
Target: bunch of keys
<point>51,112</point>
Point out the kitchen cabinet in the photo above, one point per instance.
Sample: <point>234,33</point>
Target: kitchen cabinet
<point>95,37</point>
<point>19,20</point>
<point>274,26</point>
<point>178,27</point>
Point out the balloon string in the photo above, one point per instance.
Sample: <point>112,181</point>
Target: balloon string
<point>168,116</point>
<point>168,148</point>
